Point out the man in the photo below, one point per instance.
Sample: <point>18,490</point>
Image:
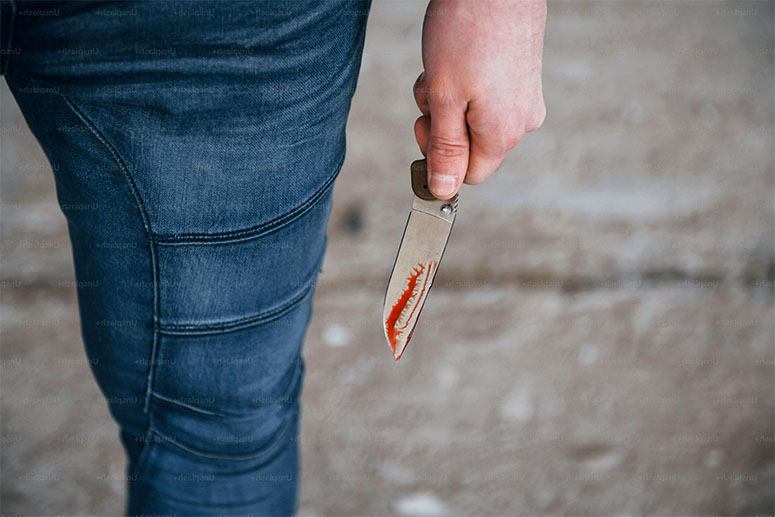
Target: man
<point>194,146</point>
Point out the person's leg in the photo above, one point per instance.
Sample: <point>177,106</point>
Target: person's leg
<point>195,147</point>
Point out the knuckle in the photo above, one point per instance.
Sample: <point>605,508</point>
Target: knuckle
<point>505,139</point>
<point>419,82</point>
<point>513,141</point>
<point>420,91</point>
<point>475,178</point>
<point>505,133</point>
<point>448,147</point>
<point>440,94</point>
<point>441,100</point>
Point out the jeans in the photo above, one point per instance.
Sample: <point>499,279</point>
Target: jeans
<point>194,147</point>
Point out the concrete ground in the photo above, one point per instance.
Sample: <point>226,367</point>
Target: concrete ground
<point>600,340</point>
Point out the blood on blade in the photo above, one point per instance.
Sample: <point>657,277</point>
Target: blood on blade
<point>403,311</point>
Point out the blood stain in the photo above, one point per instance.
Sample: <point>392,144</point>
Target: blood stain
<point>403,310</point>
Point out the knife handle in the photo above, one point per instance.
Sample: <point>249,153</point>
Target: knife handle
<point>420,180</point>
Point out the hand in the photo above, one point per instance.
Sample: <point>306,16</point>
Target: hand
<point>481,88</point>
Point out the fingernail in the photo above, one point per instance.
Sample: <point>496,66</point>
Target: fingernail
<point>443,184</point>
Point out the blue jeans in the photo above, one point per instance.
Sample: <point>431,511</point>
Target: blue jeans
<point>195,146</point>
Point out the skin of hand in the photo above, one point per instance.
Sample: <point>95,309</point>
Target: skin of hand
<point>480,91</point>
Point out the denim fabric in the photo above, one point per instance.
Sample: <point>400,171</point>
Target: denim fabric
<point>194,146</point>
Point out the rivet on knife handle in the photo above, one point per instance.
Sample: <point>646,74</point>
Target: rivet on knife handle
<point>422,246</point>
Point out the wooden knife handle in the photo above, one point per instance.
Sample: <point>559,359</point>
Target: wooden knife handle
<point>420,180</point>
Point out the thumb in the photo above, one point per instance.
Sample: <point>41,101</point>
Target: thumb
<point>448,149</point>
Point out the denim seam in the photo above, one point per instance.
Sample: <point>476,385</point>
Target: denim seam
<point>139,467</point>
<point>298,373</point>
<point>190,407</point>
<point>217,508</point>
<point>275,443</point>
<point>267,316</point>
<point>255,231</point>
<point>146,224</point>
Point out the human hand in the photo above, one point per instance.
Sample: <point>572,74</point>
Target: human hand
<point>481,88</point>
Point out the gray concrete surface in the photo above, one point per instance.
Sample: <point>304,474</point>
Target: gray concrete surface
<point>600,340</point>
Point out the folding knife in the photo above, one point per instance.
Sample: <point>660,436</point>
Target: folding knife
<point>422,246</point>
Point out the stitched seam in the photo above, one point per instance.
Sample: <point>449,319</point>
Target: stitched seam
<point>217,508</point>
<point>284,400</point>
<point>146,224</point>
<point>255,231</point>
<point>275,443</point>
<point>145,452</point>
<point>298,373</point>
<point>242,323</point>
<point>184,405</point>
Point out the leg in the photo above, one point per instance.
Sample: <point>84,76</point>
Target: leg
<point>195,167</point>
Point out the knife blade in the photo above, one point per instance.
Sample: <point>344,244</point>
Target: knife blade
<point>422,245</point>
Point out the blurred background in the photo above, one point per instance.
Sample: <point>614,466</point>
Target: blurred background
<point>600,339</point>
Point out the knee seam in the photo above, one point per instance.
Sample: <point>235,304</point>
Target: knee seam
<point>196,329</point>
<point>289,395</point>
<point>117,158</point>
<point>233,325</point>
<point>270,448</point>
<point>121,163</point>
<point>253,232</point>
<point>190,407</point>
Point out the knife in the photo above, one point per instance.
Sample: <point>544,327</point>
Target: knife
<point>422,246</point>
